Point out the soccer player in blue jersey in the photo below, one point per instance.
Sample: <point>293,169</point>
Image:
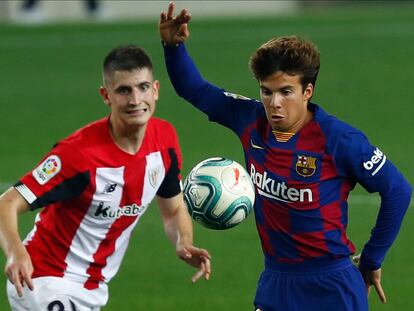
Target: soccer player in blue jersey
<point>303,162</point>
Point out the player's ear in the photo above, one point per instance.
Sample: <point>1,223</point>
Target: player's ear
<point>104,94</point>
<point>308,92</point>
<point>156,88</point>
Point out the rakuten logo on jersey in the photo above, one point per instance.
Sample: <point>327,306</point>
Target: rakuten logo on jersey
<point>273,189</point>
<point>106,212</point>
<point>376,162</point>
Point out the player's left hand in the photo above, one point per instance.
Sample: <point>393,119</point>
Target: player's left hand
<point>196,257</point>
<point>371,278</point>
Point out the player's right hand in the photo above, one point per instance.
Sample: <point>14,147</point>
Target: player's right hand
<point>19,269</point>
<point>198,258</point>
<point>371,278</point>
<point>174,30</point>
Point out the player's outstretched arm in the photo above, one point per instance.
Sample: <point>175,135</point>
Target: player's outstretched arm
<point>174,29</point>
<point>19,266</point>
<point>179,229</point>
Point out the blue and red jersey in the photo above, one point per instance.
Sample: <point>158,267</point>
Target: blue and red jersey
<point>302,182</point>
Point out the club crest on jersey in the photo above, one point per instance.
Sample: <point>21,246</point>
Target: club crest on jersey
<point>154,174</point>
<point>306,165</point>
<point>235,96</point>
<point>47,169</point>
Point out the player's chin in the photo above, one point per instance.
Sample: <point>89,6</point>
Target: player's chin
<point>279,126</point>
<point>138,119</point>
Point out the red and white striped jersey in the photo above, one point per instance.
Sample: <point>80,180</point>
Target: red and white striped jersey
<point>93,194</point>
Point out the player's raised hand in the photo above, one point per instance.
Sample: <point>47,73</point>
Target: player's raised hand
<point>174,29</point>
<point>19,269</point>
<point>196,257</point>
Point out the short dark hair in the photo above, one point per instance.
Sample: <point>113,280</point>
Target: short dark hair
<point>125,58</point>
<point>291,54</point>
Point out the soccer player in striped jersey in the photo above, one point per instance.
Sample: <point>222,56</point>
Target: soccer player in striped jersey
<point>94,187</point>
<point>303,162</point>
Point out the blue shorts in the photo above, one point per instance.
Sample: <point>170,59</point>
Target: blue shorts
<point>337,285</point>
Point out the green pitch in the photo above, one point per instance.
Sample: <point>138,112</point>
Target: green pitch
<point>49,82</point>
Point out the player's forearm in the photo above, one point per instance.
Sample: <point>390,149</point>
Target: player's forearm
<point>9,234</point>
<point>182,71</point>
<point>393,207</point>
<point>187,80</point>
<point>179,228</point>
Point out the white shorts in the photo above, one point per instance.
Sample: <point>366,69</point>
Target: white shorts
<point>57,294</point>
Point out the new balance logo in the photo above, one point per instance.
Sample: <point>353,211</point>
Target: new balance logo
<point>377,161</point>
<point>110,188</point>
<point>255,146</point>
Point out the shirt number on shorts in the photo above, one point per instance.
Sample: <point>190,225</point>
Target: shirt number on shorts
<point>59,306</point>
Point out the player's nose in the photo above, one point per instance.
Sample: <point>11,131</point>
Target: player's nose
<point>276,101</point>
<point>135,97</point>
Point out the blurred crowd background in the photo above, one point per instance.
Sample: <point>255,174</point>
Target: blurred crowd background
<point>52,11</point>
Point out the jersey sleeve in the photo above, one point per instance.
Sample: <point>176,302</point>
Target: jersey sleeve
<point>172,185</point>
<point>367,165</point>
<point>228,109</point>
<point>58,176</point>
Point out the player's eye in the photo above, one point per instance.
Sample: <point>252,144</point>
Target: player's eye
<point>123,90</point>
<point>265,92</point>
<point>286,92</point>
<point>144,87</point>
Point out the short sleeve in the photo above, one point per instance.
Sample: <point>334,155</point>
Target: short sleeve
<point>59,176</point>
<point>172,185</point>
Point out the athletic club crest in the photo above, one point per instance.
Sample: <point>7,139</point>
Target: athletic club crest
<point>306,166</point>
<point>154,175</point>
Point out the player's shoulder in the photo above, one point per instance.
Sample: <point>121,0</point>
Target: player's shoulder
<point>159,123</point>
<point>332,126</point>
<point>86,136</point>
<point>160,127</point>
<point>161,133</point>
<point>340,136</point>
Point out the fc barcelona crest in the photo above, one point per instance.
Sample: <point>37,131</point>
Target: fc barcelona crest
<point>306,166</point>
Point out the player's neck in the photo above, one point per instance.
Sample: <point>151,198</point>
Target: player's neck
<point>129,139</point>
<point>299,124</point>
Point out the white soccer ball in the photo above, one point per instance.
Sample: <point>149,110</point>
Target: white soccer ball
<point>219,193</point>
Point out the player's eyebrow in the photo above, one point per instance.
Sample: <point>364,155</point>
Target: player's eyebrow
<point>145,83</point>
<point>286,87</point>
<point>122,88</point>
<point>282,88</point>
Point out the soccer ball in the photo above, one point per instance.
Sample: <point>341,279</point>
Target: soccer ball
<point>219,193</point>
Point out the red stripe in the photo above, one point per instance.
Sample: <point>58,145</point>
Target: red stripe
<point>55,231</point>
<point>133,185</point>
<point>318,142</point>
<point>105,249</point>
<point>311,244</point>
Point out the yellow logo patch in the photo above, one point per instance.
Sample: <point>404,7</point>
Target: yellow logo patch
<point>305,165</point>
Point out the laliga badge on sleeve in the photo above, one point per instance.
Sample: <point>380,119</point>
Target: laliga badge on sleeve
<point>47,169</point>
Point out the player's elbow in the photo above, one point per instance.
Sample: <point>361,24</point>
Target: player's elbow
<point>403,193</point>
<point>409,191</point>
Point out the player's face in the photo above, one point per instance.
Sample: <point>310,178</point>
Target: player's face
<point>131,95</point>
<point>285,101</point>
